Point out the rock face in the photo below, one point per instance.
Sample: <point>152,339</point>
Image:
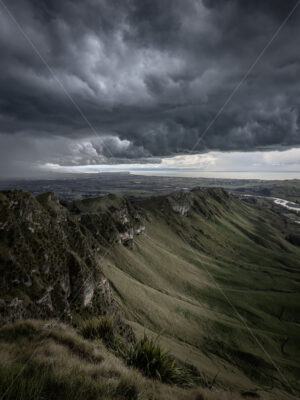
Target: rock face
<point>50,256</point>
<point>208,202</point>
<point>111,217</point>
<point>181,202</point>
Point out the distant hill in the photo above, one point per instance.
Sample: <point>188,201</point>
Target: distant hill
<point>218,278</point>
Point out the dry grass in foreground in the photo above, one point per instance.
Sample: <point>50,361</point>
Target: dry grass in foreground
<point>63,365</point>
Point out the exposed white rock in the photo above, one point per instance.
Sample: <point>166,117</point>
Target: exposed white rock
<point>16,302</point>
<point>29,216</point>
<point>181,202</point>
<point>104,286</point>
<point>65,284</point>
<point>3,225</point>
<point>128,235</point>
<point>88,292</point>
<point>122,216</point>
<point>46,301</point>
<point>35,272</point>
<point>140,230</point>
<point>12,204</point>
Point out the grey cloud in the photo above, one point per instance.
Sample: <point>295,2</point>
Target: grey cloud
<point>149,76</point>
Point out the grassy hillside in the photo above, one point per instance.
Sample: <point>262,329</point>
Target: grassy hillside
<point>61,365</point>
<point>223,285</point>
<point>214,276</point>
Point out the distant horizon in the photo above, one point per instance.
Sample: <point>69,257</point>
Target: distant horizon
<point>171,173</point>
<point>266,175</point>
<point>215,164</point>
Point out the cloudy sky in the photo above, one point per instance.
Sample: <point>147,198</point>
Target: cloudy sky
<point>149,84</point>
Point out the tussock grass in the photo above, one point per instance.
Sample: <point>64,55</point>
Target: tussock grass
<point>103,328</point>
<point>98,328</point>
<point>156,363</point>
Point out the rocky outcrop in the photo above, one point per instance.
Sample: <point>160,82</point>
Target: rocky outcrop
<point>208,202</point>
<point>181,202</point>
<point>110,217</point>
<point>88,292</point>
<point>50,258</point>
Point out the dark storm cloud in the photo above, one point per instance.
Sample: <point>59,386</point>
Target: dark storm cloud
<point>149,75</point>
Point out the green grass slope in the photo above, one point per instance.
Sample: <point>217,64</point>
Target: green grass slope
<point>222,283</point>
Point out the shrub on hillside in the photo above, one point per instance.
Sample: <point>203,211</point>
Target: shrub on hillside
<point>99,328</point>
<point>103,328</point>
<point>155,363</point>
